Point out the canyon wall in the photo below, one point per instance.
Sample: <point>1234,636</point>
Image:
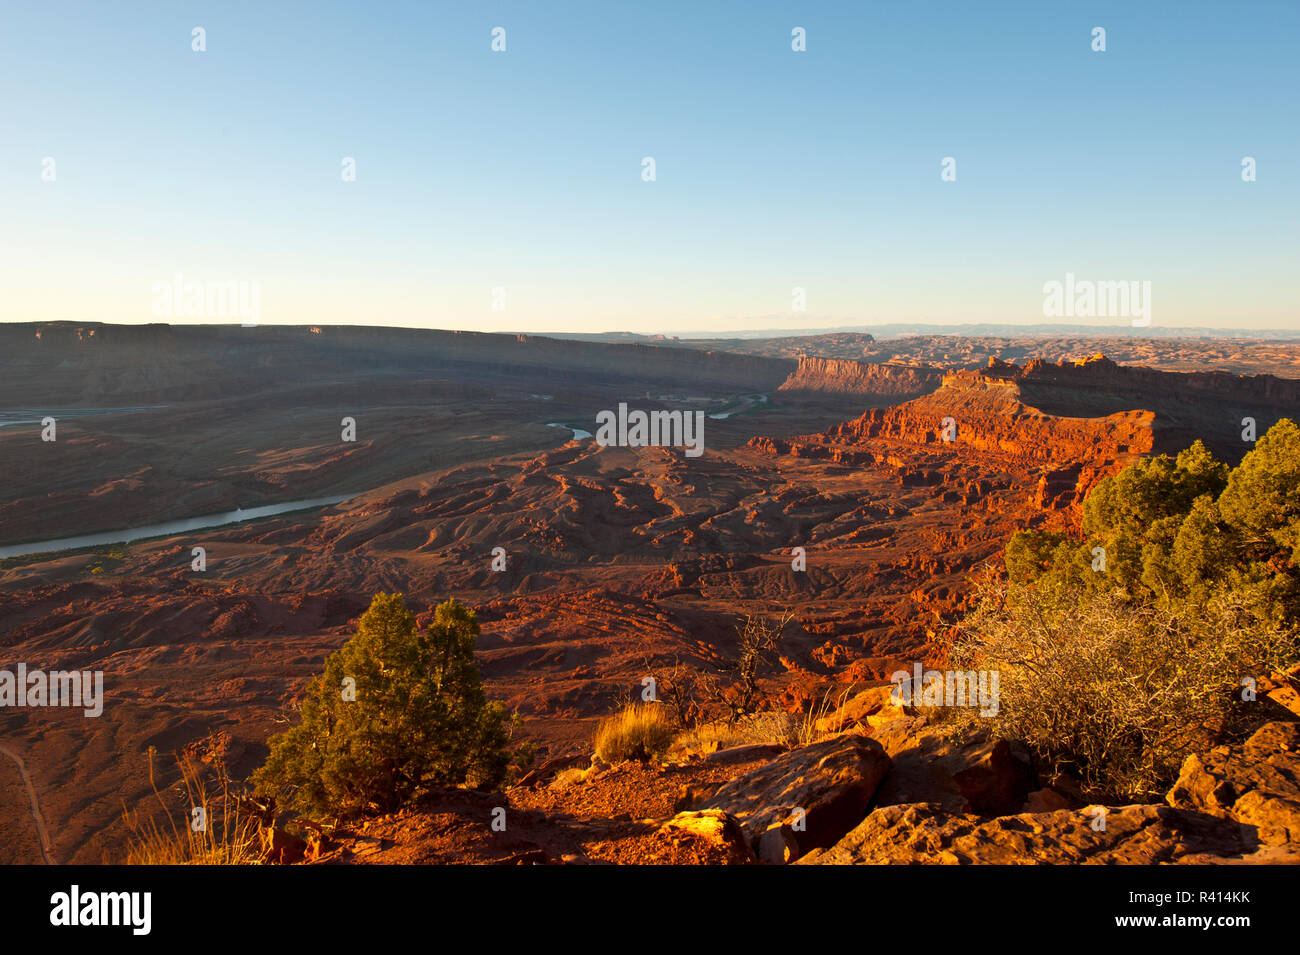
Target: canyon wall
<point>1100,374</point>
<point>1208,406</point>
<point>847,376</point>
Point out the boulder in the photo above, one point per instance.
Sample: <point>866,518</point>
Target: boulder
<point>712,826</point>
<point>1287,697</point>
<point>867,709</point>
<point>988,777</point>
<point>1283,690</point>
<point>1234,804</point>
<point>748,753</point>
<point>831,782</point>
<point>994,777</point>
<point>925,834</point>
<point>778,844</point>
<point>1256,784</point>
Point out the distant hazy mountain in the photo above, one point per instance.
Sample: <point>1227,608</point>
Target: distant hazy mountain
<point>903,329</point>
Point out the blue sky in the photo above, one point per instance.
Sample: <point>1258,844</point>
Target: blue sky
<point>775,169</point>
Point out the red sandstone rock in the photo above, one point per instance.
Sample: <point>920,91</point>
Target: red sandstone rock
<point>816,792</point>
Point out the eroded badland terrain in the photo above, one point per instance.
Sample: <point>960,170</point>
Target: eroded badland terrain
<point>619,561</point>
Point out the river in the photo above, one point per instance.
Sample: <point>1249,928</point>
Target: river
<point>167,528</point>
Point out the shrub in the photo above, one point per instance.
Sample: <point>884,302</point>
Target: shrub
<point>737,690</point>
<point>397,711</point>
<point>756,651</point>
<point>1114,691</point>
<point>694,699</point>
<point>679,689</point>
<point>641,731</point>
<point>1118,673</point>
<point>1181,532</point>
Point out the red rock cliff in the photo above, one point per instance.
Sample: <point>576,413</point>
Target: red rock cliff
<point>846,376</point>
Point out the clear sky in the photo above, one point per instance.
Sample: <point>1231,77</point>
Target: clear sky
<point>775,169</point>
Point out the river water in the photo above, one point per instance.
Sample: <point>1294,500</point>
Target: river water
<point>168,528</point>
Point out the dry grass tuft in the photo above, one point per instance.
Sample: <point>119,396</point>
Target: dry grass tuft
<point>642,731</point>
<point>769,726</point>
<point>227,836</point>
<point>829,706</point>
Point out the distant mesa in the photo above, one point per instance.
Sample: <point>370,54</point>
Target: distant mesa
<point>849,376</point>
<point>1066,424</point>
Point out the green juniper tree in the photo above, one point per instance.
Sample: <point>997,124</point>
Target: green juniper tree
<point>397,710</point>
<point>1178,532</point>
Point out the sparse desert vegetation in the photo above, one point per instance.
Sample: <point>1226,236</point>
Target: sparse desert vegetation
<point>1114,693</point>
<point>1125,649</point>
<point>641,731</point>
<point>398,710</point>
<point>207,827</point>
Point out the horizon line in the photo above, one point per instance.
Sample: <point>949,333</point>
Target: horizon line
<point>1031,329</point>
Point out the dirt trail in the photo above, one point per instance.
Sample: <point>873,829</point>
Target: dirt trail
<point>41,834</point>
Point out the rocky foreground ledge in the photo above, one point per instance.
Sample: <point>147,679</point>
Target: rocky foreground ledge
<point>935,802</point>
<point>883,786</point>
<point>1234,805</point>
